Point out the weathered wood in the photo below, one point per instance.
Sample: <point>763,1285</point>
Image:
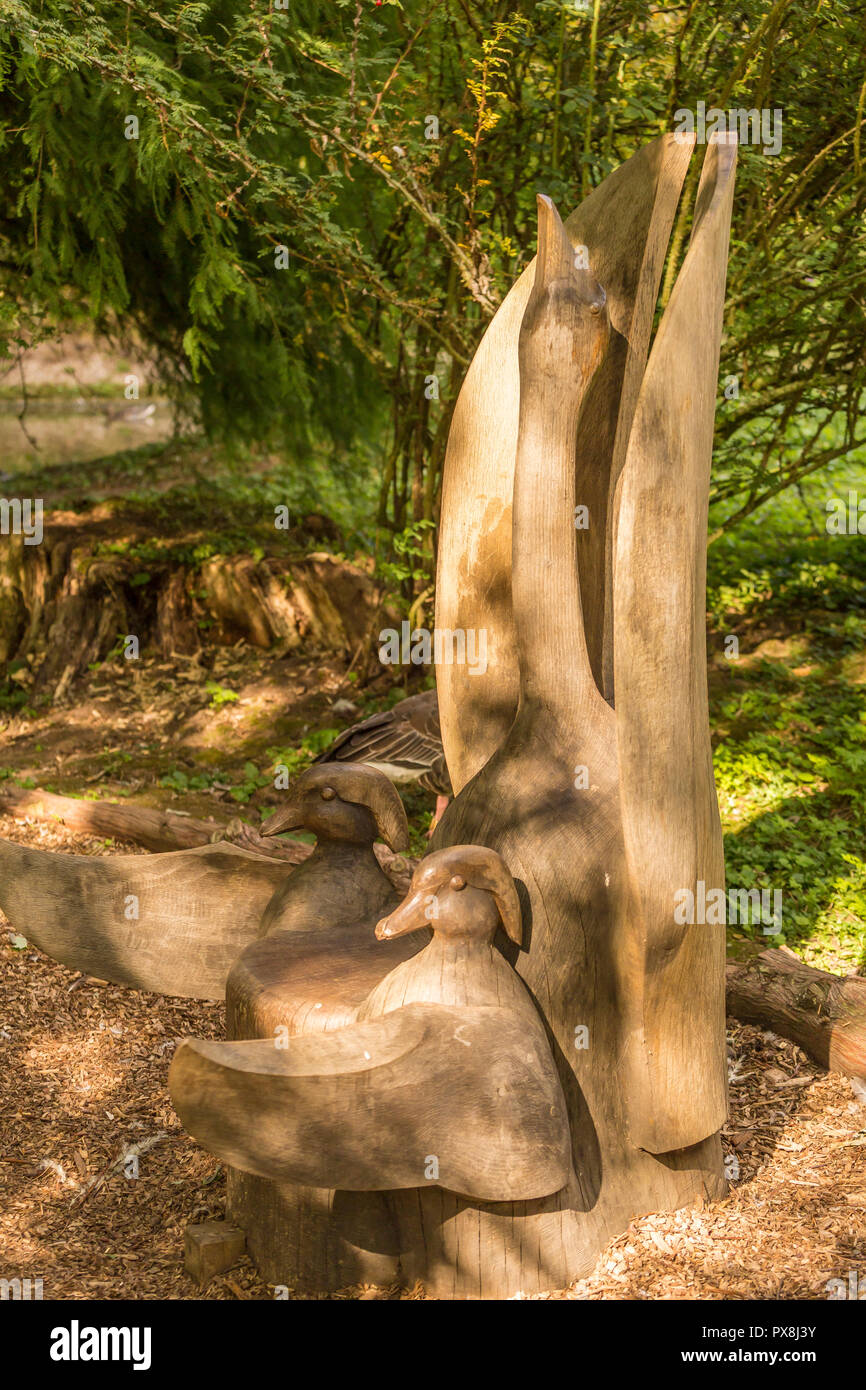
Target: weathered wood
<point>308,982</point>
<point>624,224</point>
<point>519,1126</point>
<point>166,830</point>
<point>467,894</point>
<point>347,806</point>
<point>366,1107</point>
<point>177,923</point>
<point>209,1248</point>
<point>64,602</point>
<point>549,799</point>
<point>552,798</point>
<point>822,1013</point>
<point>675,1073</point>
<point>309,973</point>
<point>143,825</point>
<point>172,923</point>
<point>447,1075</point>
<point>313,1238</point>
<point>318,957</point>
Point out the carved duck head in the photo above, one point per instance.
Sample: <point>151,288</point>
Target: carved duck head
<point>346,803</point>
<point>464,891</point>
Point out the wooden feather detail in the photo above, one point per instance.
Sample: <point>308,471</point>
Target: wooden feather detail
<point>367,1107</point>
<point>172,923</point>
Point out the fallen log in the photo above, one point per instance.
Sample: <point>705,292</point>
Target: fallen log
<point>154,829</point>
<point>823,1014</point>
<point>167,830</point>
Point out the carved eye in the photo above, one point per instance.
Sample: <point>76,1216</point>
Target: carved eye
<point>328,793</point>
<point>457,883</point>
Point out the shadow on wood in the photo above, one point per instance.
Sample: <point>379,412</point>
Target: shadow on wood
<point>446,1076</point>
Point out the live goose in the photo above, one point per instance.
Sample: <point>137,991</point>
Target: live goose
<point>405,743</point>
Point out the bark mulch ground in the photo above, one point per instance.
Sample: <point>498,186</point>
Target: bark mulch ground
<point>83,1099</point>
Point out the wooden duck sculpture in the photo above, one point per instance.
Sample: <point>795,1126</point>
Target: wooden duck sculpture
<point>173,923</point>
<point>176,923</point>
<point>465,895</point>
<point>347,806</point>
<point>438,1117</point>
<point>317,956</point>
<point>602,813</point>
<point>448,1059</point>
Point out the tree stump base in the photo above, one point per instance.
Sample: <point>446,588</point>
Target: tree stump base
<point>320,1240</point>
<point>314,1240</point>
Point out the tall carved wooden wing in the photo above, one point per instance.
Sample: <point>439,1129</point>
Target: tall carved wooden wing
<point>624,226</point>
<point>669,811</point>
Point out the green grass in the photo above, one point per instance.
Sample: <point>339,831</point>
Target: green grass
<point>789,718</point>
<point>225,499</point>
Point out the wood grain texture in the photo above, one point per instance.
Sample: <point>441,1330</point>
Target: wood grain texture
<point>675,1061</point>
<point>176,923</point>
<point>308,982</point>
<point>625,224</point>
<point>369,1106</point>
<point>312,1239</point>
<point>549,799</point>
<point>197,910</point>
<point>318,956</point>
<point>144,825</point>
<point>564,797</point>
<point>822,1013</point>
<point>314,965</point>
<point>445,1077</point>
<point>211,1247</point>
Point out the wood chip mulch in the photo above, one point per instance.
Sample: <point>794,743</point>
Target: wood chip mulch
<point>83,1096</point>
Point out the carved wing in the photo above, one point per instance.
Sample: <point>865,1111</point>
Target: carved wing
<point>366,1107</point>
<point>173,923</point>
<point>670,814</point>
<point>625,224</point>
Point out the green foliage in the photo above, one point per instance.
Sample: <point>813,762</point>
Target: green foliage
<point>13,697</point>
<point>265,134</point>
<point>299,757</point>
<point>251,782</point>
<point>405,568</point>
<point>220,695</point>
<point>241,790</point>
<point>789,724</point>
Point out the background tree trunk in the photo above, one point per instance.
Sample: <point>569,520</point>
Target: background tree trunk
<point>66,603</point>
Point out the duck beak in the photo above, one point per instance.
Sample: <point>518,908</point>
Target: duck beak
<point>411,915</point>
<point>289,817</point>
